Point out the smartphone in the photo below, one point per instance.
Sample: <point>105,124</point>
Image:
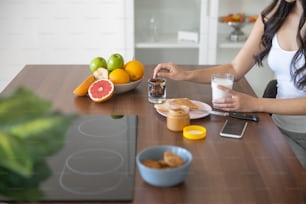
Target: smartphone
<point>233,128</point>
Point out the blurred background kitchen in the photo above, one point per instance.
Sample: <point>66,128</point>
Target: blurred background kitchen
<point>75,31</point>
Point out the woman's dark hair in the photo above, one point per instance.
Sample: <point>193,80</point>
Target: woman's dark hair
<point>271,26</point>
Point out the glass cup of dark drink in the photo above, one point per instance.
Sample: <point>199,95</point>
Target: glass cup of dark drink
<point>157,90</point>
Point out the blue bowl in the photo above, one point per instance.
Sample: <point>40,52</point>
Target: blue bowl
<point>163,177</point>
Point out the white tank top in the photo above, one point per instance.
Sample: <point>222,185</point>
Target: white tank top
<point>279,61</point>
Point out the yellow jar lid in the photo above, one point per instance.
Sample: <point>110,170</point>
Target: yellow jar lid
<point>194,132</point>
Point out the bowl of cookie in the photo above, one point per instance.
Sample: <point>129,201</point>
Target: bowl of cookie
<point>164,165</point>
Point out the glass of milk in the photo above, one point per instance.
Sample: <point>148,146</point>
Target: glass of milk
<point>224,79</point>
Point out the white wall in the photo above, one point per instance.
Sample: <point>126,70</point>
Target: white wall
<point>62,32</point>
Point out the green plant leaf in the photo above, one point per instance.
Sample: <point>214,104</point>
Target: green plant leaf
<point>20,105</point>
<point>19,188</point>
<point>29,133</point>
<point>15,156</point>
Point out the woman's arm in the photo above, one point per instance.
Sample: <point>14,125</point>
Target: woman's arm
<point>294,106</point>
<point>241,102</point>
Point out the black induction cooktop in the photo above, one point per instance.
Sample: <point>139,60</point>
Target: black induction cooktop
<point>96,163</point>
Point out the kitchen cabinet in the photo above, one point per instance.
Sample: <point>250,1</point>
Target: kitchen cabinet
<point>219,34</point>
<point>168,17</point>
<point>198,16</point>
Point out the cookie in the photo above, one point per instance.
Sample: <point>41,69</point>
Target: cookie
<point>151,163</point>
<point>172,159</point>
<point>163,164</point>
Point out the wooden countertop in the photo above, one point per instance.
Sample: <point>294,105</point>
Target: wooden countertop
<point>259,168</point>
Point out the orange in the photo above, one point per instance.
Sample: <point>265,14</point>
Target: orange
<point>82,89</point>
<point>119,76</point>
<point>135,69</point>
<point>101,90</point>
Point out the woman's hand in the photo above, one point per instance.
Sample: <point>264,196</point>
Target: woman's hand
<point>239,102</point>
<point>169,70</point>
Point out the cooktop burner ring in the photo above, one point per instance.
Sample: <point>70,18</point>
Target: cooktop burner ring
<point>101,127</point>
<point>91,182</point>
<point>85,190</point>
<point>114,156</point>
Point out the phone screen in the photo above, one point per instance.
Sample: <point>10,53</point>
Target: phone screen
<point>233,128</point>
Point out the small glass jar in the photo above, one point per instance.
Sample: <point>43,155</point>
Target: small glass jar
<point>178,118</point>
<point>157,90</point>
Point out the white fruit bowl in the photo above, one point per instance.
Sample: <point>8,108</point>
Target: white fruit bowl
<point>122,88</point>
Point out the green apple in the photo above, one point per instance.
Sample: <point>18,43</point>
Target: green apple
<point>115,61</point>
<point>96,63</point>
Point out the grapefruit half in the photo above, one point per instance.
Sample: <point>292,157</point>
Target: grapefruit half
<point>101,90</point>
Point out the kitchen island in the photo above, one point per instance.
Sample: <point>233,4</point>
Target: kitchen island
<point>259,168</point>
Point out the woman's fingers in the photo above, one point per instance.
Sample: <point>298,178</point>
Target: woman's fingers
<point>162,70</point>
<point>168,70</point>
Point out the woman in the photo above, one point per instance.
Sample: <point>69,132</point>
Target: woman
<point>279,35</point>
